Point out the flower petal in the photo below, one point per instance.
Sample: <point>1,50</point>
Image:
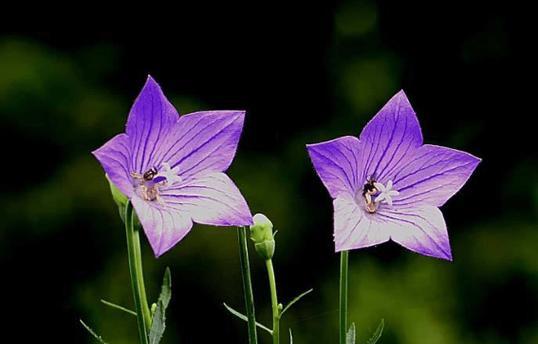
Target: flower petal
<point>337,164</point>
<point>203,141</point>
<point>164,226</point>
<point>422,230</point>
<point>354,228</point>
<point>433,175</point>
<point>388,138</point>
<point>211,199</point>
<point>114,157</point>
<point>150,120</point>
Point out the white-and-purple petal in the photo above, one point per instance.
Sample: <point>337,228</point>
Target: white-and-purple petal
<point>354,228</point>
<point>337,163</point>
<point>164,226</point>
<point>433,175</point>
<point>149,124</point>
<point>115,157</point>
<point>202,141</point>
<point>389,138</point>
<point>211,199</point>
<point>419,229</point>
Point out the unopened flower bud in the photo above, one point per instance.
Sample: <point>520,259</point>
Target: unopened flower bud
<point>261,232</point>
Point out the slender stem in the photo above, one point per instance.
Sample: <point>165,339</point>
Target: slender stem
<point>344,258</point>
<point>140,273</point>
<point>247,284</point>
<point>135,270</point>
<point>274,300</point>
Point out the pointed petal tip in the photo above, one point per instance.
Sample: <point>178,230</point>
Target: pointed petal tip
<point>94,152</point>
<point>248,219</point>
<point>401,93</point>
<point>158,251</point>
<point>241,114</point>
<point>401,96</point>
<point>445,256</point>
<point>477,159</point>
<point>151,82</point>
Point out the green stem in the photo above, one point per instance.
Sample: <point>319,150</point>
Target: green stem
<point>274,300</point>
<point>140,273</point>
<point>137,276</point>
<point>344,258</point>
<point>247,284</point>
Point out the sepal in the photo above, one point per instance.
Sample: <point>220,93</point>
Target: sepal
<point>119,198</point>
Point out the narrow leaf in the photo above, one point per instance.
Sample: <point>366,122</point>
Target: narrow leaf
<point>244,317</point>
<point>378,332</point>
<point>291,337</point>
<point>159,318</point>
<point>295,300</point>
<point>118,307</point>
<point>92,332</point>
<point>351,335</point>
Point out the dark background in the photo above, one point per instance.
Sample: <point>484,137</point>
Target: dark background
<point>304,74</point>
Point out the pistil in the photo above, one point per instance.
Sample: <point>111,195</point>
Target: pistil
<point>384,194</point>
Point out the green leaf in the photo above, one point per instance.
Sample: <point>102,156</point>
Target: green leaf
<point>295,300</point>
<point>377,334</point>
<point>118,307</point>
<point>92,332</point>
<point>291,337</point>
<point>159,318</point>
<point>244,317</point>
<point>351,335</point>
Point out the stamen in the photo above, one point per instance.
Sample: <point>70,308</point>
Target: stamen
<point>368,191</point>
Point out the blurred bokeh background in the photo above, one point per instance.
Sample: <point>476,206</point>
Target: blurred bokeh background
<point>304,74</point>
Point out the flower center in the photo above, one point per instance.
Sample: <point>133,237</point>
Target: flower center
<point>147,184</point>
<point>384,194</point>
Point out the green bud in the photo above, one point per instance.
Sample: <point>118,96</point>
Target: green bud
<point>261,232</point>
<point>153,309</point>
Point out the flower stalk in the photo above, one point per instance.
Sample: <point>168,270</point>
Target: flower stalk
<point>276,307</point>
<point>344,258</point>
<point>247,284</point>
<point>137,275</point>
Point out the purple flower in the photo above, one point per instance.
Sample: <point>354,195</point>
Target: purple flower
<point>387,185</point>
<point>172,168</point>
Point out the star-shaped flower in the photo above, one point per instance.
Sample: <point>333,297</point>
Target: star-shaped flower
<point>172,168</point>
<point>387,184</point>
